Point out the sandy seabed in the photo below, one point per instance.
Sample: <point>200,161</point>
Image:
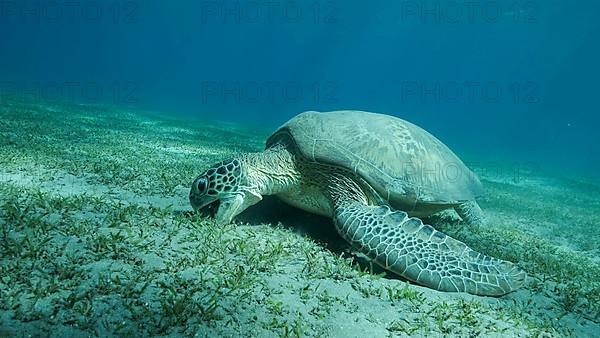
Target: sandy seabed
<point>98,239</point>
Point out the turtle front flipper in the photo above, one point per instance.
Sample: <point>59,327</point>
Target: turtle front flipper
<point>420,253</point>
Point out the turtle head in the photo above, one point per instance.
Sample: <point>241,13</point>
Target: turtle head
<point>221,185</point>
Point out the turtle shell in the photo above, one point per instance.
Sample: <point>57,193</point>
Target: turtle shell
<point>404,163</point>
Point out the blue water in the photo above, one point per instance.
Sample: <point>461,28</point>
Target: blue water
<point>206,59</point>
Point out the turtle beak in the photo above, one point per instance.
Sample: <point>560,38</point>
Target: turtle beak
<point>205,207</point>
<point>199,200</point>
<point>201,203</point>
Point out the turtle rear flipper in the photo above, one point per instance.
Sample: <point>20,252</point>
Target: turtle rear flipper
<point>471,213</point>
<point>422,254</point>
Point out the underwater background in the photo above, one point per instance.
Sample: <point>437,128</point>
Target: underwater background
<point>110,109</point>
<point>499,80</point>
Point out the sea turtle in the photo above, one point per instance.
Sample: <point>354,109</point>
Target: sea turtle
<point>373,174</point>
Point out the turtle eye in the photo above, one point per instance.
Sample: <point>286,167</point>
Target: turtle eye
<point>202,183</point>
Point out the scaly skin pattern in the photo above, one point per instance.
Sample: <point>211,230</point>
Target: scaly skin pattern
<point>270,172</point>
<point>415,250</point>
